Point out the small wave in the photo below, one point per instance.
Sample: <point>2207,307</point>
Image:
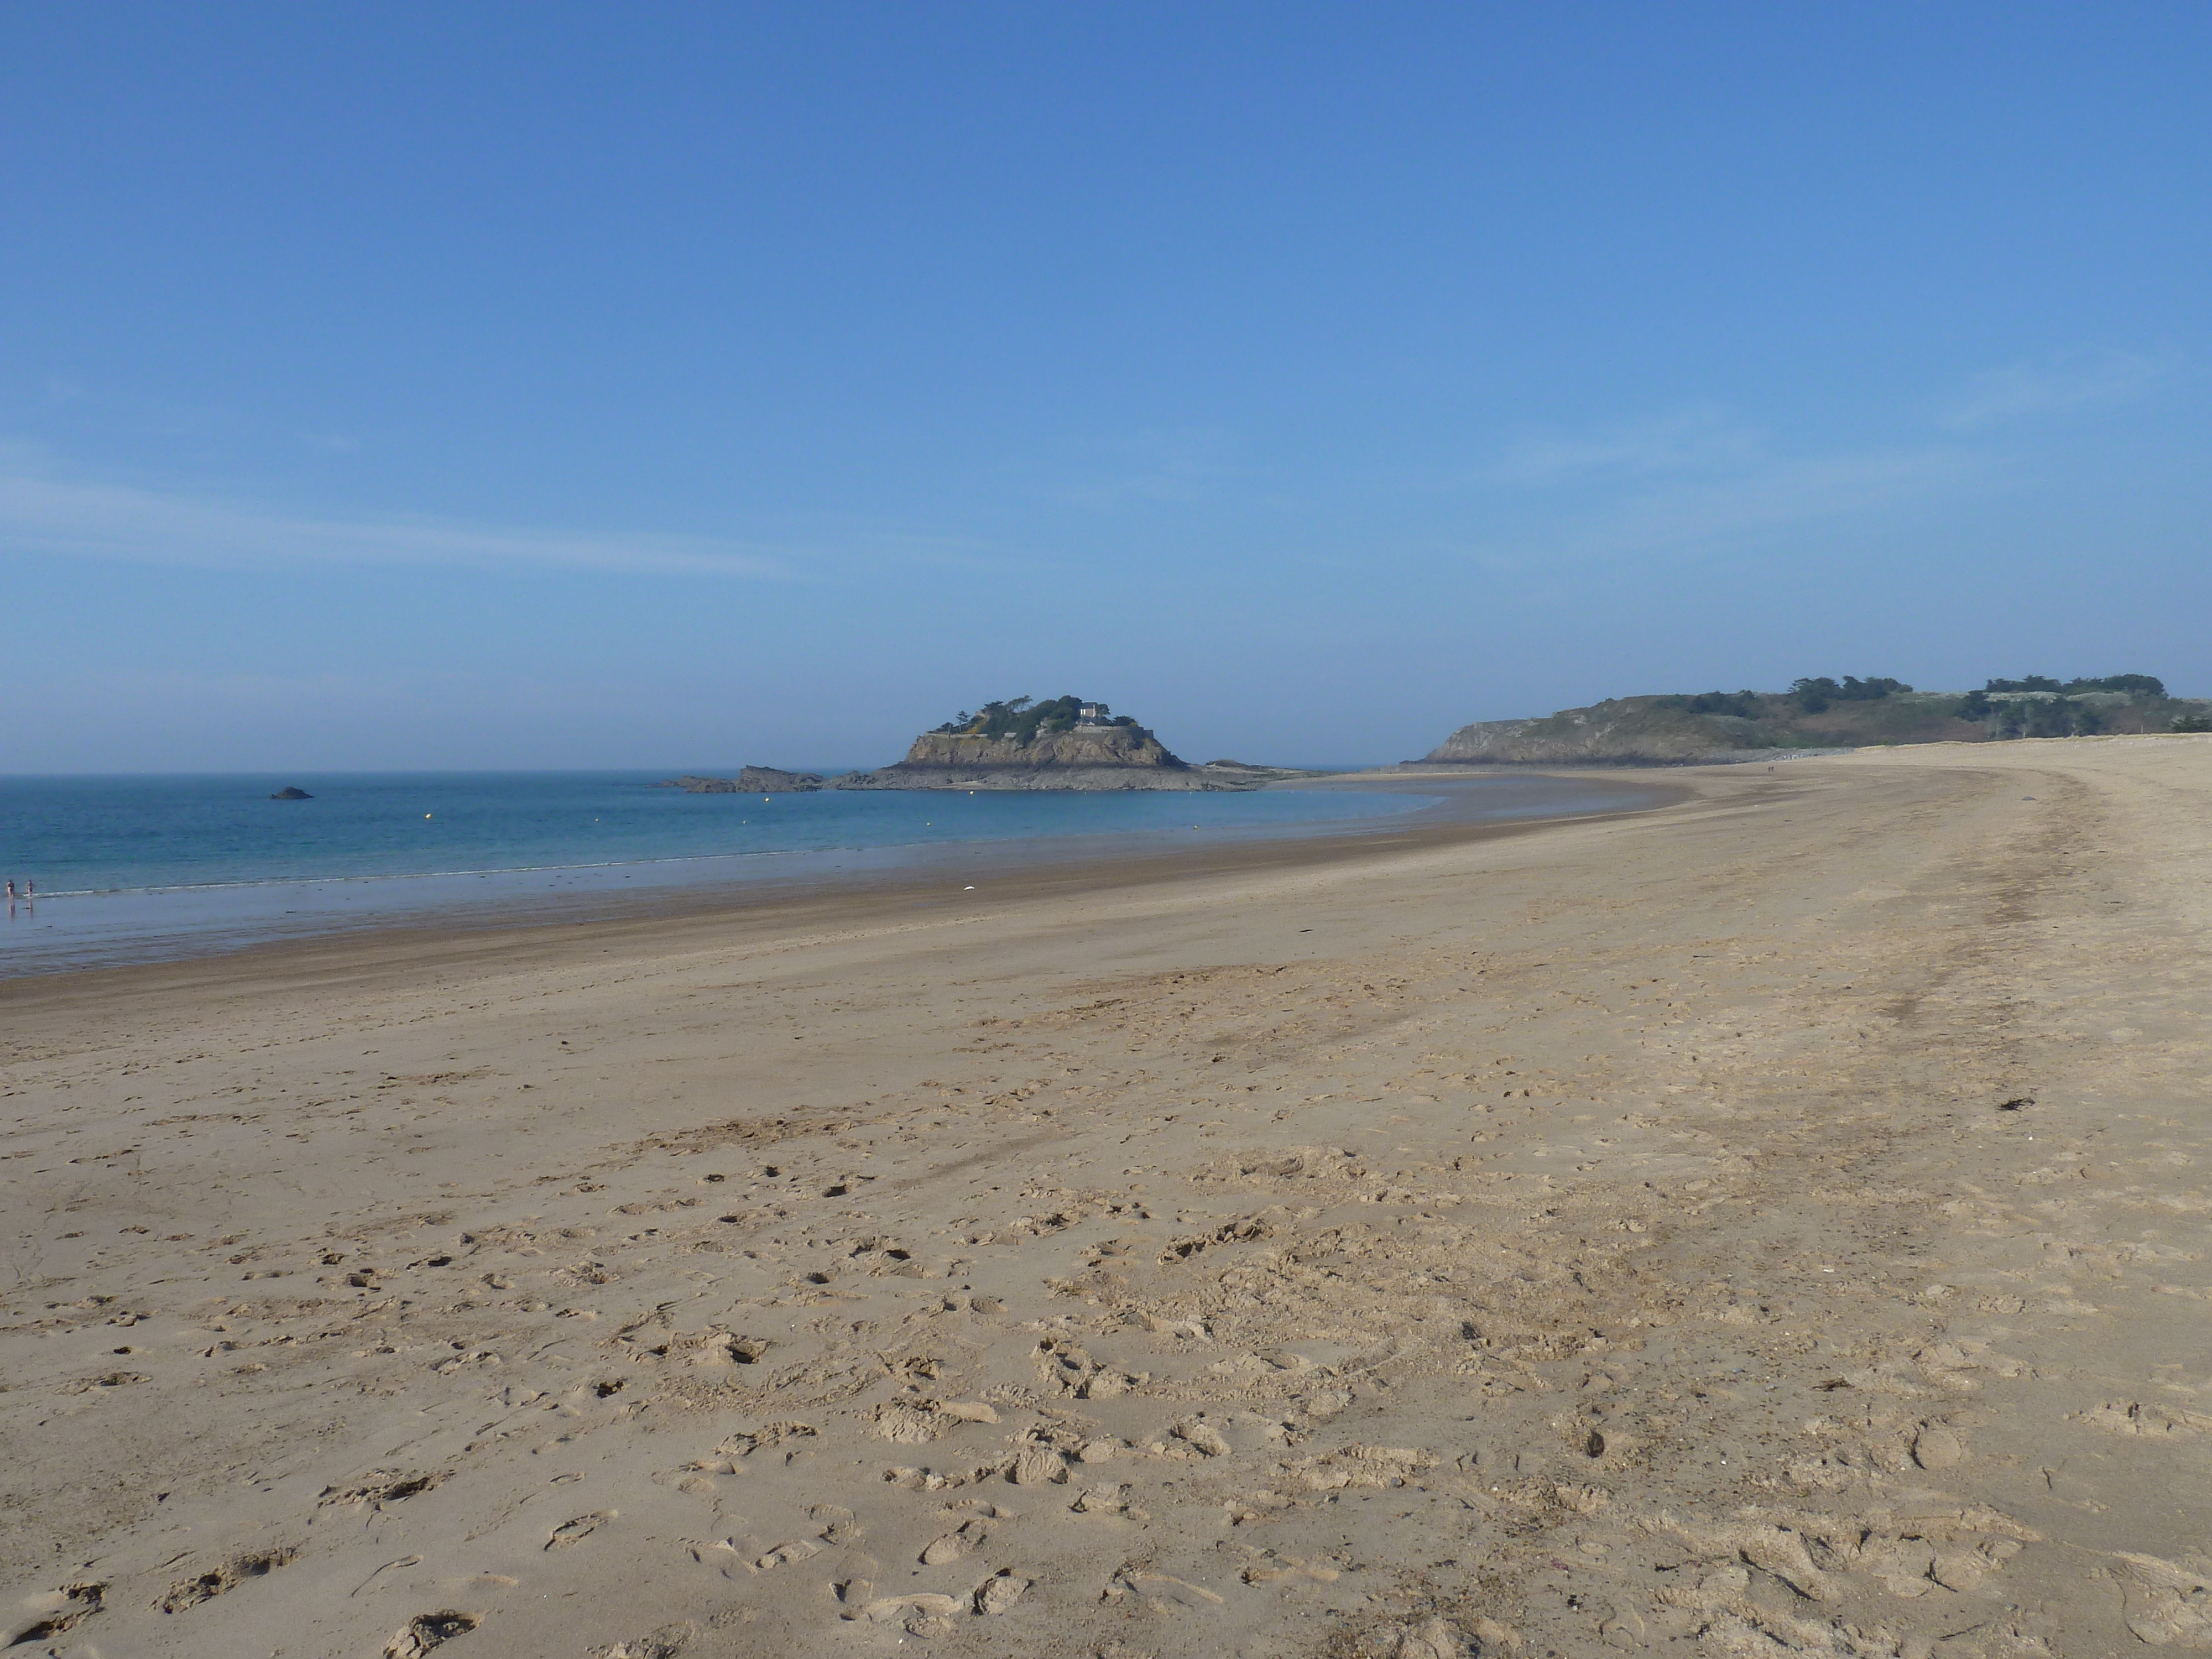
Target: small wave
<point>449,875</point>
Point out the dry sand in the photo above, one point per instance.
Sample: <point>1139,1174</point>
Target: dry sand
<point>1772,1224</point>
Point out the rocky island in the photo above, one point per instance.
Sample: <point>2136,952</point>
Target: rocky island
<point>1063,743</point>
<point>750,781</point>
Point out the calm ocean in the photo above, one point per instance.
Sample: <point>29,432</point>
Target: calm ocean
<point>134,868</point>
<point>145,868</point>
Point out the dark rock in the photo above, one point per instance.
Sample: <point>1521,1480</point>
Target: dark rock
<point>752,780</point>
<point>289,793</point>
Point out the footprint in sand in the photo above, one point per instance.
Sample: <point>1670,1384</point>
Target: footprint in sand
<point>998,1592</point>
<point>664,1643</point>
<point>1103,1500</point>
<point>426,1631</point>
<point>191,1592</point>
<point>382,1486</point>
<point>966,1540</point>
<point>799,1549</point>
<point>64,1610</point>
<point>919,1616</point>
<point>576,1530</point>
<point>2166,1601</point>
<point>840,1526</point>
<point>1938,1447</point>
<point>1432,1638</point>
<point>2131,1417</point>
<point>908,1426</point>
<point>1038,1466</point>
<point>1164,1593</point>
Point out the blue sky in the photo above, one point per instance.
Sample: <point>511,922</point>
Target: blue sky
<point>564,386</point>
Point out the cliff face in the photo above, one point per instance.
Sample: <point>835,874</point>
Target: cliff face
<point>1088,758</point>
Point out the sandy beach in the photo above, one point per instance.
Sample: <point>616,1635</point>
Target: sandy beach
<point>1773,1221</point>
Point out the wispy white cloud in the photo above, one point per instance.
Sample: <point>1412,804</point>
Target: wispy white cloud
<point>1689,439</point>
<point>1181,466</point>
<point>39,513</point>
<point>1774,494</point>
<point>2070,381</point>
<point>1690,480</point>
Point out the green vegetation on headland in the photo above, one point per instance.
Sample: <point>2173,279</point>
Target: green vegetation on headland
<point>1022,718</point>
<point>1825,713</point>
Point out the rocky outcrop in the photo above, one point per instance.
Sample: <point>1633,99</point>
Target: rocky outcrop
<point>1077,778</point>
<point>291,791</point>
<point>1089,757</point>
<point>1086,745</point>
<point>1244,774</point>
<point>752,780</point>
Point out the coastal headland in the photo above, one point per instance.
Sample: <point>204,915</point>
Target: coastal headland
<point>1771,1220</point>
<point>1821,714</point>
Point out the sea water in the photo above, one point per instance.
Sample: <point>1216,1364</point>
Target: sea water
<point>136,868</point>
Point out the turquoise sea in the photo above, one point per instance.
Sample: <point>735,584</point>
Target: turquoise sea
<point>135,868</point>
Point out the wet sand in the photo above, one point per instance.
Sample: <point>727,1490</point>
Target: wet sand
<point>1773,1221</point>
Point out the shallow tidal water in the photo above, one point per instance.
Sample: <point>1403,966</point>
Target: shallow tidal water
<point>134,868</point>
<point>151,868</point>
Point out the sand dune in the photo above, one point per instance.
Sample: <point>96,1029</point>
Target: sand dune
<point>1774,1224</point>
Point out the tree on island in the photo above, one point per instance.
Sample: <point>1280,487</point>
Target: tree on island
<point>1022,718</point>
